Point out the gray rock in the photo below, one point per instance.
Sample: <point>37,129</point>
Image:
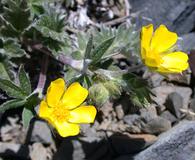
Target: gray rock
<point>154,79</point>
<point>74,149</point>
<point>133,119</point>
<point>149,113</point>
<point>160,109</point>
<point>167,115</point>
<point>178,15</point>
<point>38,152</point>
<point>41,133</point>
<point>174,103</point>
<point>157,126</point>
<point>192,104</point>
<point>119,111</point>
<point>131,143</point>
<point>188,41</point>
<point>162,92</point>
<point>184,78</point>
<point>16,151</point>
<point>134,122</point>
<point>69,149</point>
<point>134,129</point>
<point>176,144</point>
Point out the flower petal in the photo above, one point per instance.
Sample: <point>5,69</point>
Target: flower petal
<point>163,39</point>
<point>74,96</point>
<point>55,92</point>
<point>146,36</point>
<point>152,59</point>
<point>45,111</point>
<point>83,114</point>
<point>66,129</point>
<point>174,62</point>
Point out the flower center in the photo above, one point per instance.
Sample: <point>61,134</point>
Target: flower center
<point>60,113</point>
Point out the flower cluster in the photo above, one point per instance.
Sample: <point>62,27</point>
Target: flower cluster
<point>156,50</point>
<point>62,109</point>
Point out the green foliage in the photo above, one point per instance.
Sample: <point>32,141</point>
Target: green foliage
<point>22,96</point>
<point>12,104</point>
<point>11,48</point>
<point>99,51</point>
<point>27,115</point>
<point>51,26</point>
<point>15,18</point>
<point>98,94</point>
<point>5,68</point>
<point>137,87</point>
<point>28,111</point>
<point>24,81</point>
<point>126,39</point>
<point>31,28</point>
<point>11,89</point>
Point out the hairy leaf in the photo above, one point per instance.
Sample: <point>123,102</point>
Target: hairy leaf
<point>24,80</point>
<point>89,48</point>
<point>101,49</point>
<point>138,89</point>
<point>12,104</point>
<point>6,68</point>
<point>12,49</point>
<point>51,25</point>
<point>28,111</point>
<point>27,115</point>
<point>3,71</point>
<point>11,89</point>
<point>15,18</point>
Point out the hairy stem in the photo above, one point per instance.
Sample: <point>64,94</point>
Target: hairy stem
<point>42,75</point>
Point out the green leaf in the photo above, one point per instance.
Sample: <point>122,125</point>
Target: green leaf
<point>24,81</point>
<point>12,49</point>
<point>11,89</point>
<point>82,41</point>
<point>12,104</point>
<point>51,28</point>
<point>89,48</point>
<point>28,112</point>
<point>101,49</point>
<point>15,18</point>
<point>6,68</point>
<point>32,100</point>
<point>51,25</point>
<point>87,82</point>
<point>126,40</point>
<point>27,115</point>
<point>138,88</point>
<point>3,72</point>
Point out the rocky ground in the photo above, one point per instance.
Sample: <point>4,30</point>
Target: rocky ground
<point>165,130</point>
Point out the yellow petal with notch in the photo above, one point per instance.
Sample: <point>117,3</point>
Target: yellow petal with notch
<point>163,39</point>
<point>74,96</point>
<point>66,129</point>
<point>45,111</point>
<point>175,62</point>
<point>83,114</point>
<point>55,92</point>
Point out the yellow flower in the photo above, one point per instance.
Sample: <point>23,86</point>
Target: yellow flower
<point>62,109</point>
<point>156,50</point>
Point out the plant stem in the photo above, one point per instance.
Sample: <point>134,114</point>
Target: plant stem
<point>75,64</point>
<point>42,75</point>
